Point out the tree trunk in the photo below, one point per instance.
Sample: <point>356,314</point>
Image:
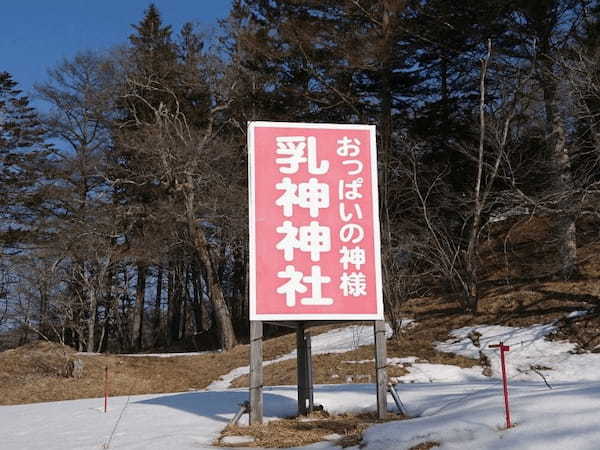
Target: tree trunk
<point>222,315</point>
<point>560,167</point>
<point>157,305</point>
<point>175,303</point>
<point>104,335</point>
<point>138,313</point>
<point>196,301</point>
<point>184,306</point>
<point>170,301</point>
<point>91,320</point>
<point>565,222</point>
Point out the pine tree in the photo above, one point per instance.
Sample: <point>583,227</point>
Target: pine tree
<point>150,69</point>
<point>23,161</point>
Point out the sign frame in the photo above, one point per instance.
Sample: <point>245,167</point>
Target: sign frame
<point>254,316</point>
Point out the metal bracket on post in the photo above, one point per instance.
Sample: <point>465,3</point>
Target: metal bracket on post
<point>396,397</point>
<point>244,409</point>
<point>256,372</point>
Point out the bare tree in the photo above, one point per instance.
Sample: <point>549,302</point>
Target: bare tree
<point>182,158</point>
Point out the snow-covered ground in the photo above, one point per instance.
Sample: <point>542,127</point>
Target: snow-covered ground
<point>460,408</point>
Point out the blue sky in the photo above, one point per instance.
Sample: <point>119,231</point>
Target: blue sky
<point>37,34</point>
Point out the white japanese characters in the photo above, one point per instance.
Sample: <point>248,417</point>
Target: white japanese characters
<point>313,238</point>
<point>352,256</point>
<point>299,156</point>
<point>354,283</point>
<point>312,196</point>
<point>298,150</point>
<point>294,285</point>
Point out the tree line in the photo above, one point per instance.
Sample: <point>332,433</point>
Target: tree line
<point>123,204</point>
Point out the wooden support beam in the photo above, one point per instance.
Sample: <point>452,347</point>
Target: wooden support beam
<point>380,367</point>
<point>301,370</point>
<point>309,373</point>
<point>256,372</point>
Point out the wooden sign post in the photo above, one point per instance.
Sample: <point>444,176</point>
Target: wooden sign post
<point>304,370</point>
<point>256,372</point>
<point>314,240</point>
<point>380,368</point>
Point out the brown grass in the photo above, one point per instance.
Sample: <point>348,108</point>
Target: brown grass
<point>425,445</point>
<point>296,432</point>
<point>36,372</point>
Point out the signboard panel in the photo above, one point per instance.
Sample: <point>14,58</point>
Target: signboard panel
<point>314,224</point>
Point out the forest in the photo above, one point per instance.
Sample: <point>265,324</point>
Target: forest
<point>123,204</point>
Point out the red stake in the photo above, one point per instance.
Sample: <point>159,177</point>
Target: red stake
<point>504,348</point>
<point>105,388</point>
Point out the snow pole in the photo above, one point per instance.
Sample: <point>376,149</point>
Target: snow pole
<point>504,348</point>
<point>105,388</point>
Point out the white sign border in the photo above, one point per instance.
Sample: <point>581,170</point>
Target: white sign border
<point>252,224</point>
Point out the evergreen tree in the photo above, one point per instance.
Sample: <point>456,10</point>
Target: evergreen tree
<point>24,159</point>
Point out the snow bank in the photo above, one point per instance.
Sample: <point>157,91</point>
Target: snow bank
<point>530,355</point>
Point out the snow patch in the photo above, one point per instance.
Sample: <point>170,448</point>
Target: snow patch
<point>340,340</point>
<point>531,355</point>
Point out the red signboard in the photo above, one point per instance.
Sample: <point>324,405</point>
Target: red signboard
<point>314,224</point>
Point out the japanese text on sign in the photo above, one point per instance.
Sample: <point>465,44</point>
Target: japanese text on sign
<point>314,240</point>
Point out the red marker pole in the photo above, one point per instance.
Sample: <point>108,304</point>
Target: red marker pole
<point>504,348</point>
<point>105,388</point>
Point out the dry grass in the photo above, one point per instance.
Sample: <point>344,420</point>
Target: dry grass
<point>582,330</point>
<point>296,432</point>
<point>23,382</point>
<point>425,445</point>
<point>36,372</point>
